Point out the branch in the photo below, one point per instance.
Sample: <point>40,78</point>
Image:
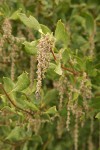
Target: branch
<point>53,55</point>
<point>68,69</point>
<point>12,102</point>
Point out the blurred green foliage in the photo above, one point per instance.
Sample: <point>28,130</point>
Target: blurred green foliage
<point>30,124</point>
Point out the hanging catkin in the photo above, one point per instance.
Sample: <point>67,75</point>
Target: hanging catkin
<point>13,53</point>
<point>68,111</point>
<point>45,46</point>
<point>61,89</point>
<point>7,29</point>
<point>68,118</point>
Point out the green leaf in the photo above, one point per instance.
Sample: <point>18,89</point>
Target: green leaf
<point>75,96</point>
<point>52,110</point>
<point>15,15</point>
<point>89,20</point>
<point>31,106</point>
<point>22,83</point>
<point>9,109</point>
<point>30,47</point>
<point>30,90</point>
<point>35,23</point>
<point>78,19</point>
<point>78,40</point>
<point>61,33</point>
<point>51,95</point>
<point>52,66</point>
<point>45,29</point>
<point>65,56</point>
<point>16,134</point>
<point>95,103</point>
<point>8,84</point>
<point>98,115</point>
<point>19,99</point>
<point>4,98</point>
<point>37,138</point>
<point>30,22</point>
<point>58,69</point>
<point>4,130</point>
<point>80,63</point>
<point>63,112</point>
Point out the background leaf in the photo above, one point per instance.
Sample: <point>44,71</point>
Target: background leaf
<point>58,69</point>
<point>51,110</point>
<point>30,47</point>
<point>8,84</point>
<point>22,83</point>
<point>30,22</point>
<point>61,34</point>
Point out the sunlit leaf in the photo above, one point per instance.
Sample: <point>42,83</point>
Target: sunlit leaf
<point>15,15</point>
<point>52,110</point>
<point>45,29</point>
<point>97,115</point>
<point>30,21</point>
<point>58,69</point>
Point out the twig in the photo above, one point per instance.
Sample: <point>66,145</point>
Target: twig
<point>53,55</point>
<point>72,71</point>
<point>68,69</point>
<point>12,102</point>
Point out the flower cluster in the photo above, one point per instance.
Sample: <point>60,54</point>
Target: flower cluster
<point>68,118</point>
<point>8,38</point>
<point>61,87</point>
<point>45,45</point>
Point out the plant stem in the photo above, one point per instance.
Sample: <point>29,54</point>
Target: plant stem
<point>12,102</point>
<point>68,69</point>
